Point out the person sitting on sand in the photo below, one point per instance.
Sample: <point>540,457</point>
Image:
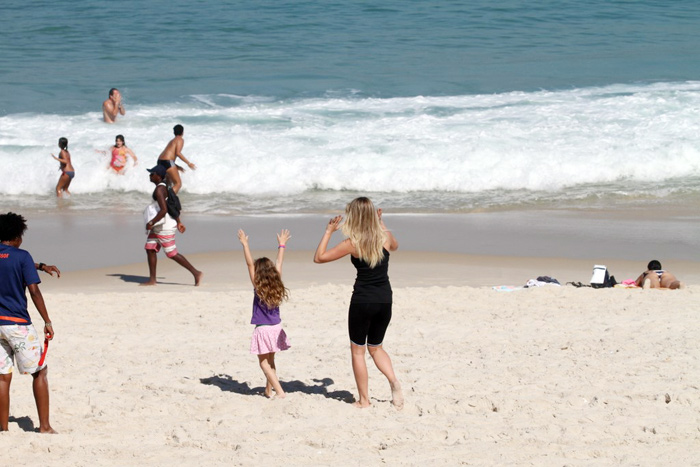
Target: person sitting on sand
<point>368,244</point>
<point>172,151</point>
<point>161,230</point>
<point>656,278</point>
<point>66,168</point>
<point>120,152</point>
<point>112,106</point>
<point>270,292</point>
<point>19,341</point>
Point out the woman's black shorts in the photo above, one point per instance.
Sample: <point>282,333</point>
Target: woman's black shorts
<point>367,322</point>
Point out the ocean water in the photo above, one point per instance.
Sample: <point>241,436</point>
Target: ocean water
<point>293,106</point>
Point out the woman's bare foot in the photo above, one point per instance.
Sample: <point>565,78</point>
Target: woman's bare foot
<point>647,284</point>
<point>147,283</point>
<point>198,278</point>
<point>396,395</point>
<point>48,431</point>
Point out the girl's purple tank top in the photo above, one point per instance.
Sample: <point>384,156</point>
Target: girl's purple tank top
<point>264,315</point>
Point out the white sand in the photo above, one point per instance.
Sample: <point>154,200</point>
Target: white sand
<point>552,376</point>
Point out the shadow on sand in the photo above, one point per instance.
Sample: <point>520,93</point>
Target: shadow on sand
<point>141,279</point>
<point>25,423</point>
<point>227,383</point>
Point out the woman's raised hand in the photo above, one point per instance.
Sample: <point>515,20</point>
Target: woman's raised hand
<point>334,224</point>
<point>381,221</point>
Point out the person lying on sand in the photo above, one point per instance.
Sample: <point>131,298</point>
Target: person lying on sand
<point>656,278</point>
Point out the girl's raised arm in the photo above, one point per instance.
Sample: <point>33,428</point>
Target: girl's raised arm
<point>243,238</point>
<point>282,239</point>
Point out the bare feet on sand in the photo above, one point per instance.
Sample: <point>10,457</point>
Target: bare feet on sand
<point>270,394</point>
<point>357,405</point>
<point>396,395</point>
<point>48,431</point>
<point>147,283</point>
<point>647,284</point>
<point>198,278</point>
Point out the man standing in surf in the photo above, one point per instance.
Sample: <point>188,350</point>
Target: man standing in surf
<point>112,106</point>
<point>172,151</point>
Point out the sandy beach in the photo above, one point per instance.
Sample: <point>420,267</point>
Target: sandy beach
<point>503,141</point>
<point>546,376</point>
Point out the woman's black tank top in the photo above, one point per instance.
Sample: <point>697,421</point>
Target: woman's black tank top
<point>372,284</point>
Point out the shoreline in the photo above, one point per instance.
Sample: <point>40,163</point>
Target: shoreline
<point>225,271</point>
<point>88,241</point>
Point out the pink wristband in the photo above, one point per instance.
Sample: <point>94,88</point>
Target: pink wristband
<point>282,246</point>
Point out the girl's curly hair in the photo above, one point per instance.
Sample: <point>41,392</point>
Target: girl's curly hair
<point>268,283</point>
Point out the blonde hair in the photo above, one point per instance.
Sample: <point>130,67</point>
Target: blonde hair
<point>364,230</point>
<point>268,283</point>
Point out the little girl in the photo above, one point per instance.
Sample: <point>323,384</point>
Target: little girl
<point>268,336</point>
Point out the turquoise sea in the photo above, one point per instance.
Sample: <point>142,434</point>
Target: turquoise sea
<point>293,106</point>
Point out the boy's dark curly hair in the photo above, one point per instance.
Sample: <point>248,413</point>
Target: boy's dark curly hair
<point>12,226</point>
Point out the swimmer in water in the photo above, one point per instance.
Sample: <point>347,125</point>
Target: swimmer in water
<point>66,168</point>
<point>120,152</point>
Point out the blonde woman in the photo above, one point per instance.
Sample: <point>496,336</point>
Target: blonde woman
<point>368,243</point>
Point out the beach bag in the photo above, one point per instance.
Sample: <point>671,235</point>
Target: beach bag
<point>601,278</point>
<point>173,203</point>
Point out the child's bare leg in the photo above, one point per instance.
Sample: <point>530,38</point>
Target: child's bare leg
<point>5,381</point>
<point>383,362</point>
<point>268,384</point>
<point>152,257</point>
<point>41,396</point>
<point>267,363</point>
<point>67,184</point>
<point>60,184</point>
<point>359,369</point>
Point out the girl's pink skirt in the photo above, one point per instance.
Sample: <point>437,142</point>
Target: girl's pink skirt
<point>267,339</point>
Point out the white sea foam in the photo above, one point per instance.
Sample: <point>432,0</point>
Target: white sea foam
<point>480,149</point>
